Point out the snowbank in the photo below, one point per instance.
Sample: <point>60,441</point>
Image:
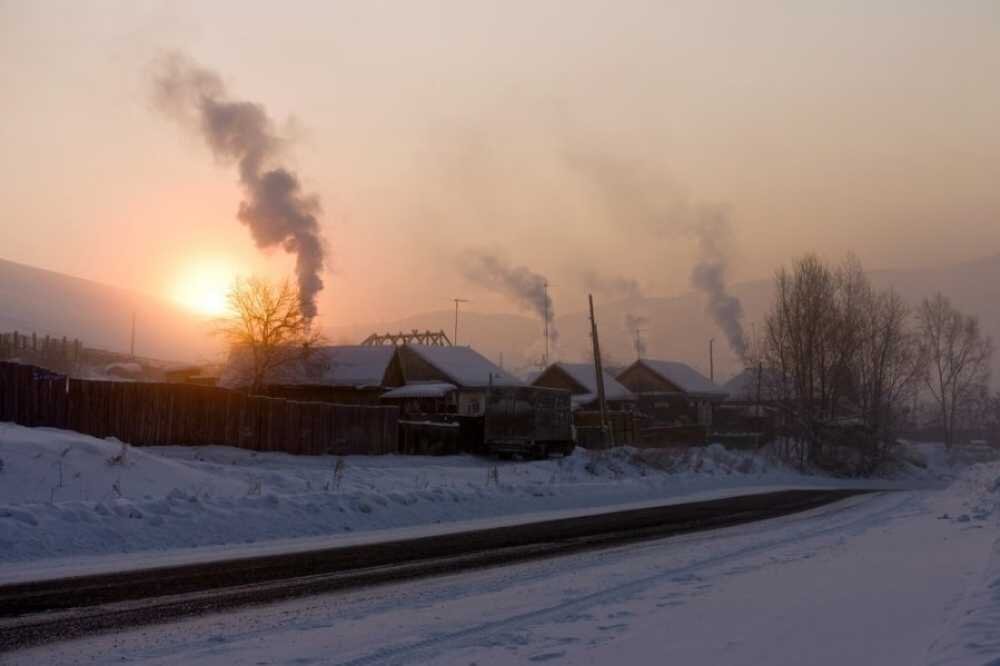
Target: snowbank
<point>65,495</point>
<point>973,635</point>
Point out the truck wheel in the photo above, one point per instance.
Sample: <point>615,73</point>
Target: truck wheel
<point>542,451</point>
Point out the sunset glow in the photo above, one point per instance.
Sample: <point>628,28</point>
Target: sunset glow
<point>202,287</point>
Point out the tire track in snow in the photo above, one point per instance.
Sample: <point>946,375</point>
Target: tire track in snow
<point>428,648</point>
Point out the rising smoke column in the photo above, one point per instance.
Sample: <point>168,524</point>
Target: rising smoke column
<point>709,276</point>
<point>520,284</point>
<point>275,209</point>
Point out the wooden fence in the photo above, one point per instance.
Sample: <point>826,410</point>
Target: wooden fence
<point>623,427</point>
<point>151,414</point>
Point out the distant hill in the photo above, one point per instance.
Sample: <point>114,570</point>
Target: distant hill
<point>50,303</point>
<point>677,328</point>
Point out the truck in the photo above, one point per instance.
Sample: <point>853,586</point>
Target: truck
<point>529,421</point>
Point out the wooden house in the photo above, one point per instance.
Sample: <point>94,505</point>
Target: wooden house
<point>751,409</point>
<point>672,393</point>
<point>435,380</point>
<point>345,374</point>
<point>580,380</point>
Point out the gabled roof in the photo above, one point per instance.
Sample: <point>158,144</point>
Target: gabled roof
<point>351,366</point>
<point>583,374</point>
<point>464,366</point>
<point>354,365</point>
<point>683,376</point>
<point>744,385</point>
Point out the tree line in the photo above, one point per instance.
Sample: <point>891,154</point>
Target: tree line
<point>846,364</point>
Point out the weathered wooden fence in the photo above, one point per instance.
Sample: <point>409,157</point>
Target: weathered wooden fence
<point>152,414</point>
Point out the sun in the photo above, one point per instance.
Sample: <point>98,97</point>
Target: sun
<point>203,286</point>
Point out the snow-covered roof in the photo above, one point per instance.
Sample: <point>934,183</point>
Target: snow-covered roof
<point>684,377</point>
<point>421,390</point>
<point>744,385</point>
<point>354,365</point>
<point>465,366</point>
<point>584,375</point>
<point>346,366</point>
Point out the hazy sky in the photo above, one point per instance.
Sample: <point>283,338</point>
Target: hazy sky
<point>568,137</point>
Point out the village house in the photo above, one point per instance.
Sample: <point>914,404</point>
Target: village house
<point>750,408</point>
<point>344,374</point>
<point>672,393</point>
<point>435,379</point>
<point>580,380</point>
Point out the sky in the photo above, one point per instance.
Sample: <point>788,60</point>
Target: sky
<point>574,139</point>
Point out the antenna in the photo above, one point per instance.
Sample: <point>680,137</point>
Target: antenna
<point>638,343</point>
<point>454,339</point>
<point>131,347</point>
<point>545,360</point>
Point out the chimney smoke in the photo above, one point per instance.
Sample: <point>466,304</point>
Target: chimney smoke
<point>274,208</point>
<point>709,276</point>
<point>520,284</point>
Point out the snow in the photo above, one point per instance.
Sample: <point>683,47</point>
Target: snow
<point>684,377</point>
<point>355,365</point>
<point>584,375</point>
<point>69,500</point>
<point>343,366</point>
<point>465,366</point>
<point>421,390</point>
<point>896,579</point>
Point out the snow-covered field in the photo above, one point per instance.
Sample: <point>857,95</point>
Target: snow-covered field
<point>895,579</point>
<point>70,503</point>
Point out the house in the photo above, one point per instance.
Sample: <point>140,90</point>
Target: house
<point>435,380</point>
<point>751,406</point>
<point>580,380</point>
<point>344,374</point>
<point>671,392</point>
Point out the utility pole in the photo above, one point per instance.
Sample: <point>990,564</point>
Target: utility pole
<point>711,359</point>
<point>454,339</point>
<point>599,375</point>
<point>545,359</point>
<point>131,348</point>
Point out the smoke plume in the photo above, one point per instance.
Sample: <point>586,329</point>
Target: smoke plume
<point>520,284</point>
<point>709,276</point>
<point>274,208</point>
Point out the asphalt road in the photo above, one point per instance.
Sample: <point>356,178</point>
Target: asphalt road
<point>46,611</point>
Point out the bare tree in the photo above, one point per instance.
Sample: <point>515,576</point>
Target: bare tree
<point>957,356</point>
<point>267,330</point>
<point>841,361</point>
<point>887,366</point>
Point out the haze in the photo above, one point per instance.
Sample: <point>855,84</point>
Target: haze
<point>578,140</point>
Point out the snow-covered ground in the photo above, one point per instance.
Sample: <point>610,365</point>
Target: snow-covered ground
<point>70,503</point>
<point>896,579</point>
